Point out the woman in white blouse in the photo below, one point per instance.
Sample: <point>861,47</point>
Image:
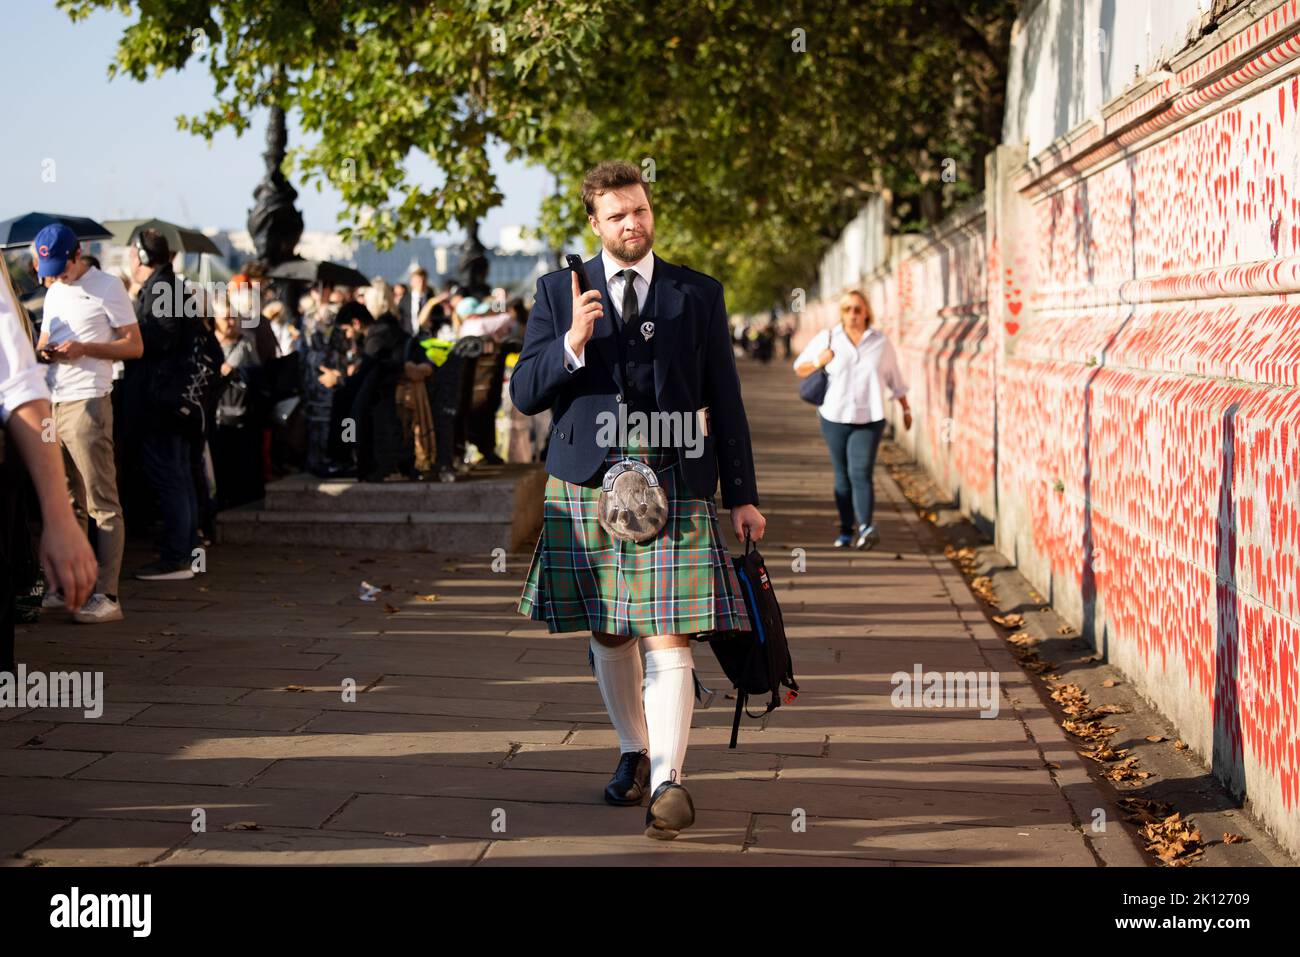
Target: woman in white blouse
<point>860,364</point>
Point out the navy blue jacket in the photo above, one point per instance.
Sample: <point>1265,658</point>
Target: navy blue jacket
<point>694,367</point>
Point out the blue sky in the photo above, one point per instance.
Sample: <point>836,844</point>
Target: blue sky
<point>116,150</point>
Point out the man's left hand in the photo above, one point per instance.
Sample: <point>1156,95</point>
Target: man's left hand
<point>72,349</point>
<point>748,518</point>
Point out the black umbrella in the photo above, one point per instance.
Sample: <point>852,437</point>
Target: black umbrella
<point>319,271</point>
<point>179,238</point>
<point>21,230</point>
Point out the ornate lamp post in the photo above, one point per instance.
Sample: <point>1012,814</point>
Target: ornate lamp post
<point>472,269</point>
<point>274,223</point>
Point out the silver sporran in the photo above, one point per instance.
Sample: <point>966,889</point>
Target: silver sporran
<point>633,506</point>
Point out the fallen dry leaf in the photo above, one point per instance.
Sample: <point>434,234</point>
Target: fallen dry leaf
<point>243,826</point>
<point>1233,838</point>
<point>1109,683</point>
<point>427,597</point>
<point>1156,738</point>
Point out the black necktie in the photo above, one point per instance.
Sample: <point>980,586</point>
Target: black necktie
<point>629,315</point>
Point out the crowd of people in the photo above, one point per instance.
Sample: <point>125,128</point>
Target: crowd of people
<point>163,414</point>
<point>765,338</point>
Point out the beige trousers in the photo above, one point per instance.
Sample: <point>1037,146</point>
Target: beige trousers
<point>85,431</point>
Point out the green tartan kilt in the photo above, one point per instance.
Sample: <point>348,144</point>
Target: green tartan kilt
<point>584,579</point>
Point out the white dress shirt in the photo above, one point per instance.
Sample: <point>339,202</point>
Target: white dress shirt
<point>416,301</point>
<point>614,284</point>
<point>857,375</point>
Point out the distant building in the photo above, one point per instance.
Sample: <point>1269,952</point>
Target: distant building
<point>513,240</point>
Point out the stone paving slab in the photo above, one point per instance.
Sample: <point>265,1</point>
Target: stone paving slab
<point>301,847</point>
<point>475,818</point>
<point>908,840</point>
<point>476,738</point>
<point>539,853</point>
<point>107,843</point>
<point>148,801</point>
<point>20,831</point>
<point>383,700</point>
<point>170,769</point>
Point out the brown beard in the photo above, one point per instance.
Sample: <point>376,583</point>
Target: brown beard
<point>620,250</point>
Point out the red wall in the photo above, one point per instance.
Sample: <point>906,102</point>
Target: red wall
<point>1104,356</point>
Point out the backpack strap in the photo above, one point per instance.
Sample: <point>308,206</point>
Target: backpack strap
<point>699,685</point>
<point>735,721</point>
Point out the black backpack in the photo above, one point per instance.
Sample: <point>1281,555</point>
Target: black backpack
<point>200,379</point>
<point>756,661</point>
<point>185,388</point>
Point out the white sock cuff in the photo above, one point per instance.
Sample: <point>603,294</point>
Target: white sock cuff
<point>668,659</point>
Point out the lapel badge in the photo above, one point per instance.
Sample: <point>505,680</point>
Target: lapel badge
<point>648,330</point>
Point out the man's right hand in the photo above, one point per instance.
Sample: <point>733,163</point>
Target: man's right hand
<point>69,563</point>
<point>586,310</point>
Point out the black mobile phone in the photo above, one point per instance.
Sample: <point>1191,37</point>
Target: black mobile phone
<point>575,263</point>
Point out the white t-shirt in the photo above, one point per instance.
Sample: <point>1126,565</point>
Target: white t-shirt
<point>22,379</point>
<point>87,310</point>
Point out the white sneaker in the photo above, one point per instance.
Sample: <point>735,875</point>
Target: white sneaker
<point>99,608</point>
<point>53,601</point>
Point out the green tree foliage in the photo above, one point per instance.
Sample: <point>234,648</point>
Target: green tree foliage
<point>765,125</point>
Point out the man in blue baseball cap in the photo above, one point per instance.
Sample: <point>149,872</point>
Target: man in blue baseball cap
<point>88,325</point>
<point>56,246</point>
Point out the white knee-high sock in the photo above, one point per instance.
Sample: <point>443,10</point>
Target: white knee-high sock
<point>669,699</point>
<point>619,674</point>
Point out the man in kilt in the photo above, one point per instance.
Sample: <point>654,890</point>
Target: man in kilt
<point>661,353</point>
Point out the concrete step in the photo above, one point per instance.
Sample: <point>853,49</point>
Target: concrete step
<point>466,533</point>
<point>483,490</point>
<point>470,517</point>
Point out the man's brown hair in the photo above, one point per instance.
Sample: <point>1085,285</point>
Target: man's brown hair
<point>611,174</point>
<point>155,246</point>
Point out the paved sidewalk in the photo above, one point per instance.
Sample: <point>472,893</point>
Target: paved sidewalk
<point>475,738</point>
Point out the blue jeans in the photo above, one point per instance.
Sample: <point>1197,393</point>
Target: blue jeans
<point>166,460</point>
<point>853,456</point>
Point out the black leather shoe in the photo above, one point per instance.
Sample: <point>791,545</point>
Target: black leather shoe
<point>671,809</point>
<point>631,779</point>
